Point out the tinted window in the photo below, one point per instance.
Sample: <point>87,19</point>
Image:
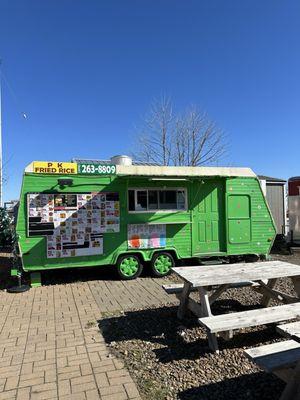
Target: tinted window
<point>167,200</point>
<point>131,205</point>
<point>180,199</point>
<point>156,199</point>
<point>141,200</point>
<point>153,199</point>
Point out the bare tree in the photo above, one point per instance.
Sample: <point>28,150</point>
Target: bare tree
<point>187,139</point>
<point>154,139</point>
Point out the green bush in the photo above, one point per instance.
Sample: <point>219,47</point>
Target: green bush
<point>7,232</point>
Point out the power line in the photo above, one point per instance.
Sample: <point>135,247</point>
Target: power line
<point>13,94</point>
<point>1,170</point>
<point>4,79</point>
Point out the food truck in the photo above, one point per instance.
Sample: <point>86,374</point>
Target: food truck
<point>83,214</point>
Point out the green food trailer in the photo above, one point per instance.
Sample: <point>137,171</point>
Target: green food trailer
<point>92,214</point>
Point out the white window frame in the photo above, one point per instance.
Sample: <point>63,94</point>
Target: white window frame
<point>136,189</point>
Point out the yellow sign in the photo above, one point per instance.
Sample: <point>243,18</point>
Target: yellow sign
<point>53,167</point>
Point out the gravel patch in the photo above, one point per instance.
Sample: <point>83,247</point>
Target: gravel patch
<point>170,359</point>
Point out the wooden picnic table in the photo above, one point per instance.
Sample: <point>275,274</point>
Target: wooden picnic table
<point>292,389</point>
<point>211,281</point>
<point>282,359</point>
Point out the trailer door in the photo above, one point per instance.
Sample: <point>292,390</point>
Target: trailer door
<point>208,218</point>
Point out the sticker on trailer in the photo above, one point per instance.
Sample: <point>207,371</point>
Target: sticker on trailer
<point>96,169</point>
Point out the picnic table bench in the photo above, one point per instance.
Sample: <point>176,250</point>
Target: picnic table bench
<point>282,359</point>
<point>211,281</point>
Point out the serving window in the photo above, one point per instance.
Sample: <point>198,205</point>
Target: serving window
<point>149,200</point>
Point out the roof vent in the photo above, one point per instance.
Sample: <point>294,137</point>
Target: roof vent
<point>121,160</point>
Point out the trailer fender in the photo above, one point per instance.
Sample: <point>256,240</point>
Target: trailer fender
<point>173,252</point>
<point>145,255</point>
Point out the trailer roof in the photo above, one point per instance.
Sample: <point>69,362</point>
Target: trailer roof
<point>160,171</point>
<point>170,171</point>
<point>270,179</point>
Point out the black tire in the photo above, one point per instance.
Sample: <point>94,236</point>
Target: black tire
<point>133,269</point>
<point>167,262</point>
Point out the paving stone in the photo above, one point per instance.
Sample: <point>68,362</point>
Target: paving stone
<point>48,350</point>
<point>92,394</point>
<point>11,382</point>
<point>82,380</point>
<point>11,394</point>
<point>23,394</point>
<point>117,373</point>
<point>101,380</point>
<point>120,380</point>
<point>112,390</point>
<point>31,382</point>
<point>115,396</point>
<point>131,390</point>
<point>86,387</point>
<point>86,369</point>
<point>74,396</point>
<point>64,387</point>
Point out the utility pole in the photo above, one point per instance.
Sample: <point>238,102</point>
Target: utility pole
<point>1,158</point>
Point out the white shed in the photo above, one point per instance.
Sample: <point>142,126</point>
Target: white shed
<point>275,191</point>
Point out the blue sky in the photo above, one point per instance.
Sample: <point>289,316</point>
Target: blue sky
<point>85,73</point>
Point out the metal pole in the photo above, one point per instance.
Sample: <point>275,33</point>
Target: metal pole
<point>1,164</point>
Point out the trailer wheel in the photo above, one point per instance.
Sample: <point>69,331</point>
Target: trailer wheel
<point>162,263</point>
<point>129,267</point>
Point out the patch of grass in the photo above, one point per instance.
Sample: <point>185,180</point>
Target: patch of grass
<point>109,314</point>
<point>152,390</point>
<point>90,324</point>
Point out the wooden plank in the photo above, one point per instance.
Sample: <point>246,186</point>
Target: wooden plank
<point>244,319</point>
<point>175,288</point>
<point>274,294</point>
<point>291,329</point>
<point>267,297</point>
<point>284,374</point>
<point>236,273</point>
<point>217,293</point>
<point>276,355</point>
<point>194,307</point>
<point>292,389</point>
<point>296,282</point>
<point>206,311</point>
<point>204,302</point>
<point>184,300</point>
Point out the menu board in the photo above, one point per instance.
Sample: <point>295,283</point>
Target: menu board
<point>146,236</point>
<point>74,223</point>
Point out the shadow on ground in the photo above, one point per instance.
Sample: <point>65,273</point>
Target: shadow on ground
<point>169,353</point>
<point>178,339</point>
<point>5,279</point>
<point>63,276</point>
<point>245,387</point>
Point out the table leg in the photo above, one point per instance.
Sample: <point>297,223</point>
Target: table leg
<point>217,293</point>
<point>296,283</point>
<point>265,301</point>
<point>292,389</point>
<point>184,298</point>
<point>206,312</point>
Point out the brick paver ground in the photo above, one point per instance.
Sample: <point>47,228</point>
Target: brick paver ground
<point>50,344</point>
<point>51,347</point>
<point>121,295</point>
